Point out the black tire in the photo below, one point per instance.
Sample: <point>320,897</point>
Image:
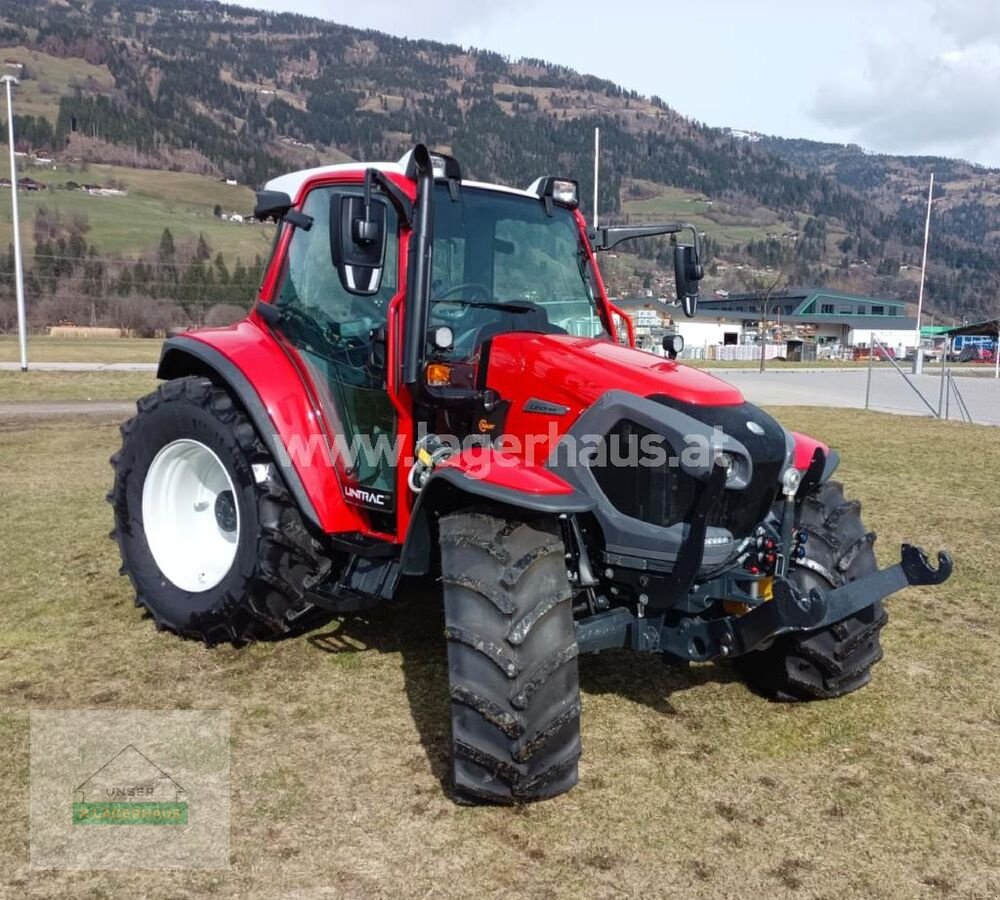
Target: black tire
<point>277,558</point>
<point>837,660</point>
<point>512,658</point>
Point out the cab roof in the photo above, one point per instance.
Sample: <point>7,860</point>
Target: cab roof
<point>292,183</point>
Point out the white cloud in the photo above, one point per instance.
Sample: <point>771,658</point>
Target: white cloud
<point>968,22</point>
<point>908,76</point>
<point>939,96</point>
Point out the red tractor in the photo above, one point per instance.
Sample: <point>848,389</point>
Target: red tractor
<point>432,382</point>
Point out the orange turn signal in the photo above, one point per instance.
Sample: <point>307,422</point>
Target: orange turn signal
<point>438,375</point>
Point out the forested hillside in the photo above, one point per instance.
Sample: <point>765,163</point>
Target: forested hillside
<point>220,91</point>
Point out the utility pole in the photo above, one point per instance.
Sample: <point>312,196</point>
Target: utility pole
<point>22,325</point>
<point>917,355</point>
<point>597,171</point>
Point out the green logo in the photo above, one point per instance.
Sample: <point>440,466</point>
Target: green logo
<point>130,789</point>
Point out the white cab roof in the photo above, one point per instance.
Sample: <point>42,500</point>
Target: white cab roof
<point>292,183</point>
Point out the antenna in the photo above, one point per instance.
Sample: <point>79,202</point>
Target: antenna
<point>597,171</point>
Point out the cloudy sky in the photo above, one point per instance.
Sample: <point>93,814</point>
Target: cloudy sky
<point>907,76</point>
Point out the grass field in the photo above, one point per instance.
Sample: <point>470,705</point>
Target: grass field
<point>52,77</point>
<point>675,204</point>
<point>132,225</point>
<point>42,348</point>
<point>691,786</point>
<point>33,386</point>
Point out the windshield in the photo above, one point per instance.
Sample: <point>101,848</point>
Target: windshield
<point>502,264</point>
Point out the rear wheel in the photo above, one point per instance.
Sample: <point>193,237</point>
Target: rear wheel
<point>832,661</point>
<point>209,535</point>
<point>515,699</point>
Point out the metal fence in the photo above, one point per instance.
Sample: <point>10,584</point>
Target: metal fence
<point>966,394</point>
<point>734,352</point>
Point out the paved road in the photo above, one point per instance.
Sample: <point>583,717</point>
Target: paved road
<point>79,367</point>
<point>840,388</point>
<point>845,388</point>
<point>59,408</point>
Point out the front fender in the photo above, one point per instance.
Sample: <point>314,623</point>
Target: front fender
<point>477,475</point>
<point>805,449</point>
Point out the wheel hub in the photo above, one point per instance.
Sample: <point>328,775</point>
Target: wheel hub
<point>190,515</point>
<point>225,511</point>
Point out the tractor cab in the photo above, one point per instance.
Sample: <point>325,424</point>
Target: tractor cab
<point>389,285</point>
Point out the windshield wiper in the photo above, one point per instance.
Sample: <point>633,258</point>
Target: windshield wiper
<point>490,304</point>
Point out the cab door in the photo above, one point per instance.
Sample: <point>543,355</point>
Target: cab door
<point>333,296</point>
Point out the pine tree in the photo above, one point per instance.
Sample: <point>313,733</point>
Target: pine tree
<point>168,251</point>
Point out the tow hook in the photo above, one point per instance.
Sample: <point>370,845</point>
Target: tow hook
<point>790,610</point>
<point>793,610</point>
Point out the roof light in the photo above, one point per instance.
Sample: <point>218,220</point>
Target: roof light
<point>564,191</point>
<point>444,166</point>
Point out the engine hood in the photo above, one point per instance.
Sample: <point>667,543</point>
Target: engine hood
<point>574,372</point>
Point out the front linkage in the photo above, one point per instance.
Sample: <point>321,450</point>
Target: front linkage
<point>698,640</point>
<point>674,627</point>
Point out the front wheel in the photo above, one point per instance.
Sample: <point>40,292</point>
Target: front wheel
<point>837,660</point>
<point>515,697</point>
<point>209,535</point>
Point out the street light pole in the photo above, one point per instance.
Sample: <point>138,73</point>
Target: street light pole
<point>22,325</point>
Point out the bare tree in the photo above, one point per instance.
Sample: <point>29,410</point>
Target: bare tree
<point>763,284</point>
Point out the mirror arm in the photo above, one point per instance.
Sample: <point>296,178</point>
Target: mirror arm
<point>298,219</point>
<point>402,203</point>
<point>607,238</point>
<point>368,194</point>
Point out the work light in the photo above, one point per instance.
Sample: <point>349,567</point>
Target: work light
<point>564,191</point>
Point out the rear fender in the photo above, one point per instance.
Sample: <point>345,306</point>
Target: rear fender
<point>251,363</point>
<point>477,476</point>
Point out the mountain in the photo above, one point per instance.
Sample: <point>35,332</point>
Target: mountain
<point>223,91</point>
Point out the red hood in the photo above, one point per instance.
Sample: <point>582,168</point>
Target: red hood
<point>575,372</point>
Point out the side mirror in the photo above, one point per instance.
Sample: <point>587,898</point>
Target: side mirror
<point>688,272</point>
<point>673,345</point>
<point>357,241</point>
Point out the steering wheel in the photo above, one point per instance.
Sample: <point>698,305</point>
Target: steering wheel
<point>472,286</point>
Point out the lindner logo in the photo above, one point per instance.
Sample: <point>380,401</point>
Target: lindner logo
<point>130,789</point>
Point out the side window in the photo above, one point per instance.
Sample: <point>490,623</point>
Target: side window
<point>311,283</point>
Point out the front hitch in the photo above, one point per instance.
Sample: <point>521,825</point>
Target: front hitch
<point>699,640</point>
<point>791,610</point>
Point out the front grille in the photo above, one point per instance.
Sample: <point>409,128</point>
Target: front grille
<point>664,495</point>
<point>660,495</point>
<point>741,511</point>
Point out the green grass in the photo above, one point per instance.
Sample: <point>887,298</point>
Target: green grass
<point>690,785</point>
<point>52,77</point>
<point>132,225</point>
<point>675,204</point>
<point>79,349</point>
<point>24,387</point>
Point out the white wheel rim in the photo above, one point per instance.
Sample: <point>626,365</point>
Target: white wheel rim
<point>191,515</point>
